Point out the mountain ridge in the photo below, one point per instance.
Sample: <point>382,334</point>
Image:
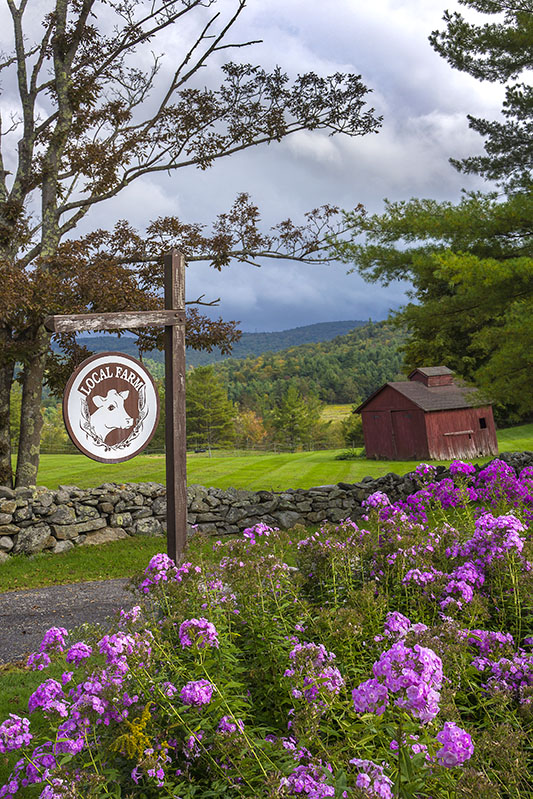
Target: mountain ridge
<point>250,344</point>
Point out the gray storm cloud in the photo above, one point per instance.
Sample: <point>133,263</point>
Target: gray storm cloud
<point>424,104</point>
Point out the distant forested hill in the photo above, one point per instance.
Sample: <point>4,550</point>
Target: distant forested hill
<point>251,344</point>
<point>346,369</point>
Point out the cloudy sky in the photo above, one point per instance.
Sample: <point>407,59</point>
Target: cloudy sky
<point>424,105</point>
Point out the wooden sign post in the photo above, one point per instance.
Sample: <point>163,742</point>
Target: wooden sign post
<point>173,318</point>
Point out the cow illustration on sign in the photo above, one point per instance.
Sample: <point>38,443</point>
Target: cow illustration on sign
<point>110,416</point>
<point>110,413</point>
<point>108,405</point>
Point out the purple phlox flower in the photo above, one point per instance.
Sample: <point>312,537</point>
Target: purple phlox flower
<point>456,747</point>
<point>197,693</point>
<point>48,696</point>
<point>56,789</point>
<point>450,496</point>
<point>130,616</point>
<point>118,646</point>
<point>312,671</point>
<point>219,592</point>
<point>184,569</point>
<point>152,766</point>
<point>227,724</point>
<point>498,481</point>
<point>162,569</point>
<point>53,640</point>
<point>460,467</point>
<point>370,697</point>
<point>70,746</point>
<point>462,581</point>
<point>488,641</point>
<point>396,624</point>
<point>425,470</point>
<point>372,778</point>
<point>42,763</point>
<point>309,780</point>
<point>411,741</point>
<point>14,733</point>
<point>376,500</point>
<point>78,652</point>
<point>191,746</point>
<point>422,577</point>
<point>168,689</point>
<point>508,674</point>
<point>38,661</point>
<point>259,529</point>
<point>494,536</point>
<point>414,674</point>
<point>310,652</point>
<point>199,632</point>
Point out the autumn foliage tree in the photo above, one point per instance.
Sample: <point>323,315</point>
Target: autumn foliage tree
<point>96,112</point>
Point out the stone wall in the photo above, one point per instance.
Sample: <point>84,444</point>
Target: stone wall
<point>37,519</point>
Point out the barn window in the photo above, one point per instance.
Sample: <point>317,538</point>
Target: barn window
<point>482,423</point>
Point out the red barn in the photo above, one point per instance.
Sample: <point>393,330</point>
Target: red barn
<point>427,416</point>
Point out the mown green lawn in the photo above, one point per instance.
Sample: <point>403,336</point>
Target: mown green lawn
<point>250,470</point>
<point>83,564</point>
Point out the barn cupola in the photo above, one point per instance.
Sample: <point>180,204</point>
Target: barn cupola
<point>432,376</point>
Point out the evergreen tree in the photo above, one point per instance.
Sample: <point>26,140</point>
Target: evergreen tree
<point>210,414</point>
<point>501,51</point>
<point>352,429</point>
<point>471,270</point>
<point>295,418</point>
<point>471,264</point>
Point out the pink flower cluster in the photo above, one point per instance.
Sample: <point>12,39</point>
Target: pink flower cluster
<point>456,747</point>
<point>509,674</point>
<point>493,538</point>
<point>372,779</point>
<point>462,468</point>
<point>50,697</point>
<point>309,780</point>
<point>198,632</point>
<point>197,693</point>
<point>376,500</point>
<point>78,653</point>
<point>54,640</point>
<point>162,569</point>
<point>313,671</point>
<point>229,725</point>
<point>414,674</point>
<point>14,733</point>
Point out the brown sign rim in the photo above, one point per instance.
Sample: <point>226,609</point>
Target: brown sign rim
<point>66,394</point>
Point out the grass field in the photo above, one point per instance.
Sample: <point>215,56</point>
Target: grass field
<point>249,470</point>
<point>335,413</point>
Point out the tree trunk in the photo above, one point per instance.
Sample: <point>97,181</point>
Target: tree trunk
<point>31,420</point>
<point>6,380</point>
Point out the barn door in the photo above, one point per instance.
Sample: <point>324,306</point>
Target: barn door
<point>409,434</point>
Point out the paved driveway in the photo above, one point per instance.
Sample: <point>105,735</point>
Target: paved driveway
<point>26,615</point>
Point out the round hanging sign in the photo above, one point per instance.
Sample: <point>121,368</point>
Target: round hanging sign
<point>111,407</point>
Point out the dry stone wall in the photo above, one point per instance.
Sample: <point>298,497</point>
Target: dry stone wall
<point>38,519</point>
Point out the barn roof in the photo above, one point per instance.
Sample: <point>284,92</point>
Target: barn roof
<point>431,398</point>
<point>432,371</point>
